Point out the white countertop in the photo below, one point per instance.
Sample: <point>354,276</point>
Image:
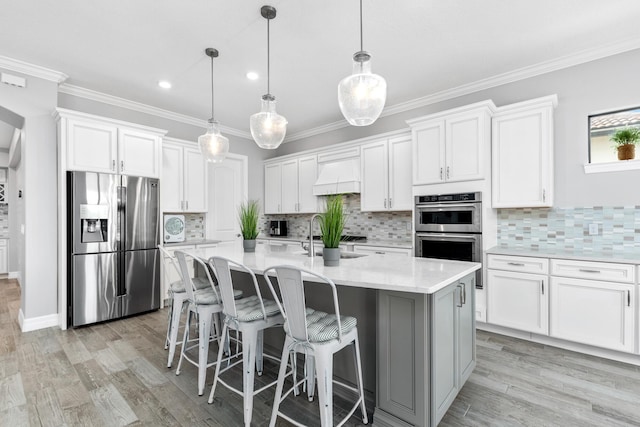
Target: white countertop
<point>417,275</point>
<point>630,256</point>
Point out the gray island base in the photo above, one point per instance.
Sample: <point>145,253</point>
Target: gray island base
<point>416,320</point>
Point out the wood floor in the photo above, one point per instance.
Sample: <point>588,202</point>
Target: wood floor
<point>115,374</point>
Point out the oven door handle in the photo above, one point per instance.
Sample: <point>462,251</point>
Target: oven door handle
<point>448,236</point>
<point>447,206</point>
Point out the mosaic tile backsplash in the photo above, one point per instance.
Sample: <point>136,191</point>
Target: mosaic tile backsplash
<point>194,226</point>
<point>568,228</point>
<point>394,226</point>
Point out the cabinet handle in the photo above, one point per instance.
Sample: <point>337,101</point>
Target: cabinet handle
<point>389,202</point>
<point>543,287</point>
<point>544,195</point>
<point>628,298</point>
<point>459,303</point>
<point>464,293</point>
<point>586,270</point>
<point>113,165</point>
<point>186,202</point>
<point>121,165</point>
<point>385,203</point>
<point>516,264</point>
<point>447,172</point>
<point>440,174</point>
<point>380,252</point>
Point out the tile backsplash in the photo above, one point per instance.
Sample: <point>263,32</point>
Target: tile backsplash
<point>568,228</point>
<point>194,226</point>
<point>394,226</point>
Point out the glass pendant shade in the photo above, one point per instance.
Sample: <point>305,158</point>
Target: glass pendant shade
<point>213,146</point>
<point>362,95</point>
<point>268,128</point>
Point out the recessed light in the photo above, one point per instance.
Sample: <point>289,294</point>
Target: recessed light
<point>252,75</point>
<point>164,84</point>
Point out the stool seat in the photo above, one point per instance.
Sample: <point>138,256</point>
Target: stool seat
<point>249,309</point>
<point>198,282</point>
<point>323,327</point>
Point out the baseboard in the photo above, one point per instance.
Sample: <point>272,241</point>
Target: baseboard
<point>14,274</point>
<point>631,358</point>
<point>35,323</point>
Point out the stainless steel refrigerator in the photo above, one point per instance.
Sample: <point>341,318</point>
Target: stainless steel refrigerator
<point>113,235</point>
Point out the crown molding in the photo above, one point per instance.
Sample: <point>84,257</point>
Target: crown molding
<point>578,58</point>
<point>144,108</point>
<point>32,70</point>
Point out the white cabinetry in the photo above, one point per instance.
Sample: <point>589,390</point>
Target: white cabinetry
<point>96,144</point>
<point>184,177</point>
<point>522,150</point>
<point>594,303</point>
<point>289,185</point>
<point>386,175</point>
<point>518,293</point>
<point>4,253</point>
<point>389,251</point>
<point>452,145</point>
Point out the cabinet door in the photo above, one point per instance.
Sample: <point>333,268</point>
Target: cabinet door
<point>195,181</point>
<point>272,188</point>
<point>522,150</point>
<point>518,300</point>
<point>289,198</point>
<point>465,147</point>
<point>444,347</point>
<point>400,184</point>
<point>171,183</point>
<point>307,175</point>
<point>466,329</point>
<point>428,153</point>
<point>374,177</point>
<point>91,146</point>
<point>4,268</point>
<point>593,312</point>
<point>138,153</point>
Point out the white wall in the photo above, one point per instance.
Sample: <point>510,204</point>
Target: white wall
<point>607,84</point>
<point>35,251</point>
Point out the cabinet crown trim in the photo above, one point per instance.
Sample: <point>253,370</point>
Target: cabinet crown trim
<point>487,105</point>
<point>63,113</point>
<point>545,101</point>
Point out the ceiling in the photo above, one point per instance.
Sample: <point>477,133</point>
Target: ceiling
<point>422,47</point>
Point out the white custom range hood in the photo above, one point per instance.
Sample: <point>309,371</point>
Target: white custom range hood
<point>338,177</point>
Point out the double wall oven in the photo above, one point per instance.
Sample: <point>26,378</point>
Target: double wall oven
<point>449,226</point>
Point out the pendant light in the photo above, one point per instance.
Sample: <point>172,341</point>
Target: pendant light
<point>268,128</point>
<point>362,95</point>
<point>213,145</point>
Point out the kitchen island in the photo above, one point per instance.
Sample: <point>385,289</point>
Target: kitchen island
<point>421,316</point>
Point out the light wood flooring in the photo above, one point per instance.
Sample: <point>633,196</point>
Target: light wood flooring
<point>115,374</point>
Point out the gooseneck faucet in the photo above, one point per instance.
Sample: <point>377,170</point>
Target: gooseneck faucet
<point>312,251</point>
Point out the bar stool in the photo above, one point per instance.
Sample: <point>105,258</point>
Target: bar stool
<point>318,335</point>
<point>204,303</point>
<point>177,297</point>
<point>250,316</point>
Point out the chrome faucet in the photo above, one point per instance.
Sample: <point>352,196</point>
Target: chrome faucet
<point>312,251</point>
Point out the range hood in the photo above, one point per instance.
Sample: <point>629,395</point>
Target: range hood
<point>338,177</point>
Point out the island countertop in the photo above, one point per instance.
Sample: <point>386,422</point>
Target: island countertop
<point>373,271</point>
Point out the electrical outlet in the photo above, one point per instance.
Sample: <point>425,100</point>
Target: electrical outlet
<point>593,229</point>
<point>408,225</point>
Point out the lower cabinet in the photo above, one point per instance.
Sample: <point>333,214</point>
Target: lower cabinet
<point>518,300</point>
<point>4,253</point>
<point>425,351</point>
<point>594,312</point>
<point>169,274</point>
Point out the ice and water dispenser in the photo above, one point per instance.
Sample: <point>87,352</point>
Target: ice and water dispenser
<point>94,223</point>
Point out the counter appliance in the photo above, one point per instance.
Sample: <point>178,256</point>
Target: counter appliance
<point>113,235</point>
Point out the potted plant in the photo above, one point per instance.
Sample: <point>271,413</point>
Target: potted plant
<point>331,226</point>
<point>248,214</point>
<point>625,140</point>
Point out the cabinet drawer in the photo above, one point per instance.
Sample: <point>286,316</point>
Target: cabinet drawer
<point>383,250</point>
<point>593,270</point>
<point>518,263</point>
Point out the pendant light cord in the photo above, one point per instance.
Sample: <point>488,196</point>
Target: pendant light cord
<point>212,116</point>
<point>268,59</point>
<point>361,42</point>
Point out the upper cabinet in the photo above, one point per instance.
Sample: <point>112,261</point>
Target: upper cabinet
<point>522,150</point>
<point>184,177</point>
<point>288,185</point>
<point>450,146</point>
<point>386,175</point>
<point>96,144</point>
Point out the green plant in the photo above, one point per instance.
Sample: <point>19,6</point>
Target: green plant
<point>628,135</point>
<point>248,214</point>
<point>332,222</point>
